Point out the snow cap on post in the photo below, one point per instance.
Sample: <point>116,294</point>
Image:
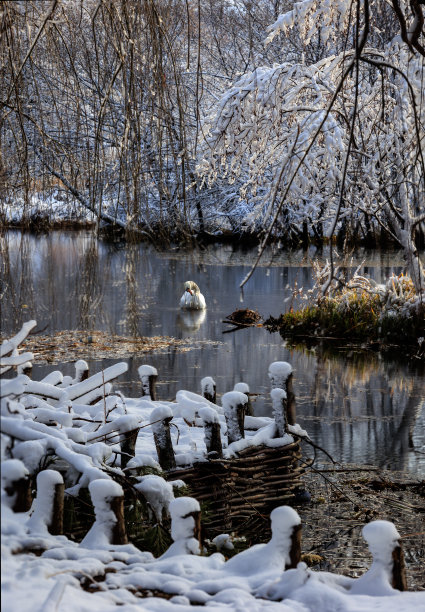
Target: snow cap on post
<point>81,371</point>
<point>182,521</point>
<point>382,537</point>
<point>109,527</point>
<point>387,571</point>
<point>185,527</point>
<point>148,376</point>
<point>286,534</point>
<point>279,371</point>
<point>242,387</point>
<point>158,493</point>
<point>209,387</point>
<point>48,505</point>
<point>16,483</point>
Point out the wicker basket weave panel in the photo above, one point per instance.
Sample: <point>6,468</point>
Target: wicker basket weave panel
<point>252,484</point>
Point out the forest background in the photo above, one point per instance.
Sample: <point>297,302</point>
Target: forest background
<point>182,120</point>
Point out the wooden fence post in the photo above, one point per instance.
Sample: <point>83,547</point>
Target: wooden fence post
<point>383,541</point>
<point>291,410</point>
<point>160,420</point>
<point>49,503</point>
<point>295,552</point>
<point>81,371</point>
<point>234,404</point>
<point>119,534</point>
<point>148,376</point>
<point>209,389</point>
<point>212,432</point>
<point>281,377</point>
<point>398,578</point>
<point>244,388</point>
<point>56,525</point>
<point>279,410</point>
<point>286,526</point>
<point>108,501</point>
<point>128,446</point>
<point>185,526</point>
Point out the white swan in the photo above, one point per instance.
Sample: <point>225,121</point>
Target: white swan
<point>192,298</point>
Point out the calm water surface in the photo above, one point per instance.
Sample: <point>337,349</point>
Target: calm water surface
<point>361,407</point>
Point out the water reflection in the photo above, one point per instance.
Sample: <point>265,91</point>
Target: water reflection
<point>190,321</point>
<point>358,406</point>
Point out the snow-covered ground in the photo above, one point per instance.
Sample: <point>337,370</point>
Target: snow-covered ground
<point>42,572</point>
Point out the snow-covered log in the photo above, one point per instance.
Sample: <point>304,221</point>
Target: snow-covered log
<point>97,380</point>
<point>8,346</point>
<point>7,363</point>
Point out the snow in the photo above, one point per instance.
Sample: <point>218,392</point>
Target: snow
<point>159,414</point>
<point>11,471</point>
<point>279,372</point>
<point>14,386</point>
<point>255,579</point>
<point>146,371</point>
<point>271,556</point>
<point>101,492</point>
<point>241,387</point>
<point>182,527</point>
<point>97,380</point>
<point>158,493</point>
<point>42,511</point>
<point>53,378</point>
<point>188,405</point>
<point>208,385</point>
<point>122,424</point>
<point>209,415</point>
<point>231,401</point>
<point>223,541</point>
<point>9,345</point>
<point>30,453</point>
<point>382,538</point>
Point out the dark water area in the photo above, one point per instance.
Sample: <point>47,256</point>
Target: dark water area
<point>362,407</point>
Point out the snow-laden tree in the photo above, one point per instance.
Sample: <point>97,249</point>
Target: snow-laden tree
<point>333,146</point>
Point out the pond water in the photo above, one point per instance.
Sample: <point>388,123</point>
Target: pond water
<point>363,408</point>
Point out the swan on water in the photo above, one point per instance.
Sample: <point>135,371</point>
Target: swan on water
<point>192,298</point>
